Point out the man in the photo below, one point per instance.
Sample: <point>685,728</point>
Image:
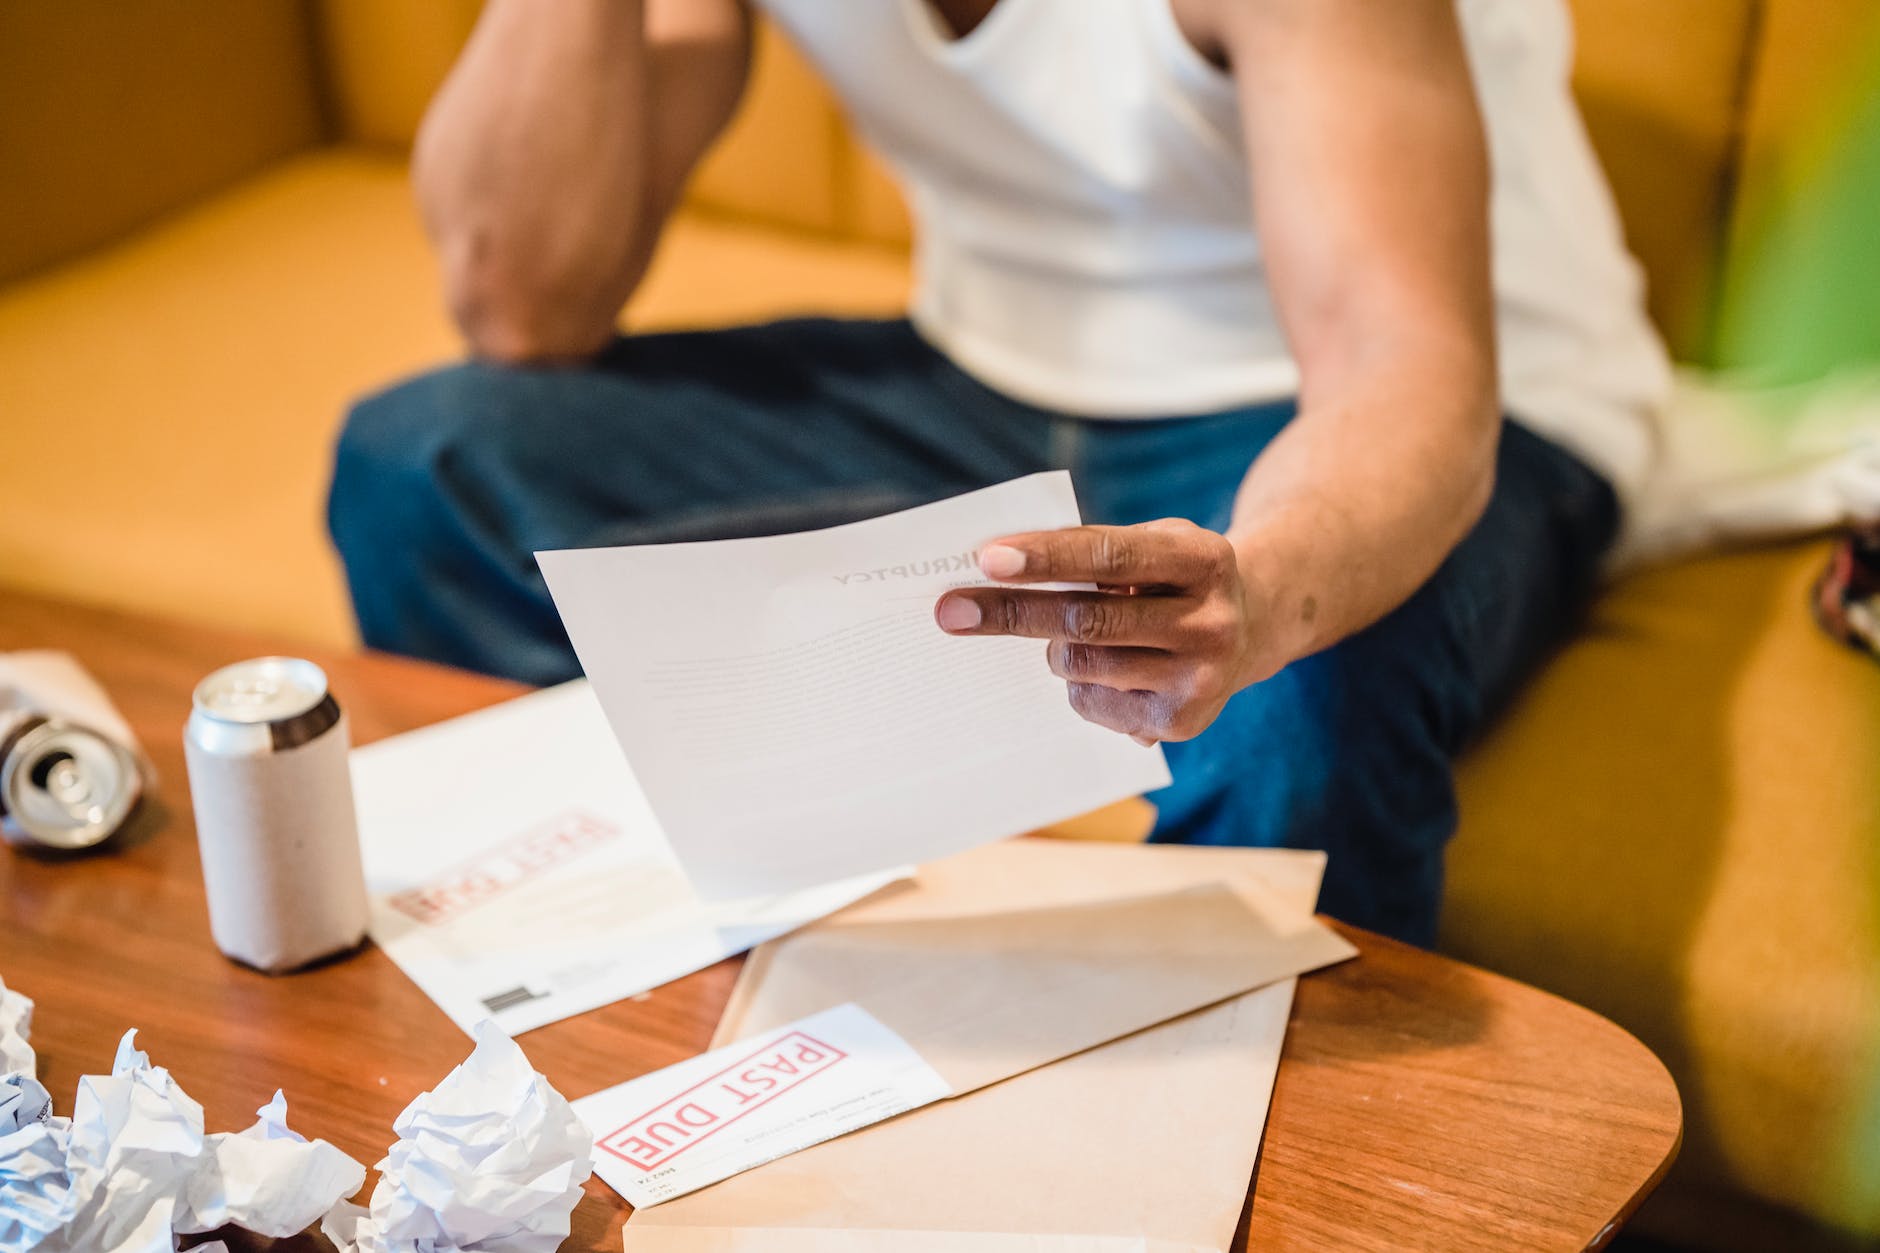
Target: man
<point>1228,261</point>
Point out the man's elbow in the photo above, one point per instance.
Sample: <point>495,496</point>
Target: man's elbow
<point>510,316</point>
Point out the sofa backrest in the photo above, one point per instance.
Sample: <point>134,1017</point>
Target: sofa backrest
<point>114,112</point>
<point>1659,84</point>
<point>1706,114</point>
<point>385,58</point>
<point>788,158</point>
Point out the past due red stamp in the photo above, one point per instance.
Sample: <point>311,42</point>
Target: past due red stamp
<point>719,1100</point>
<point>509,864</point>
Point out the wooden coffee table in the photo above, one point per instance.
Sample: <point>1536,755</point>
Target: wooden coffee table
<point>1421,1103</point>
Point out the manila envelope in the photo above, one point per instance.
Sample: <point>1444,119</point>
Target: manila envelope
<point>1143,1145</point>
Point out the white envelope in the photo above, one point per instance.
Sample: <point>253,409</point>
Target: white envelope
<point>1143,1145</point>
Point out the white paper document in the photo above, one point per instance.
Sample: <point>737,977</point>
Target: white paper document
<point>516,872</point>
<point>713,1116</point>
<point>795,715</point>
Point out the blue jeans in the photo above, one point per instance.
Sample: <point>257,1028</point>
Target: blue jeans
<point>445,485</point>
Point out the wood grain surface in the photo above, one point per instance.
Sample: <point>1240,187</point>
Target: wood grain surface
<point>1422,1104</point>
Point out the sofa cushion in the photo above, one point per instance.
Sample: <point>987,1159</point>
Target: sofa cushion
<point>1678,826</point>
<point>183,389</point>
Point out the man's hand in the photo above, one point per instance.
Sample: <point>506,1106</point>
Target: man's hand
<point>1172,632</point>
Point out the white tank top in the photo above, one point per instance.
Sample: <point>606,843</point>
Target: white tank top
<point>1085,228</point>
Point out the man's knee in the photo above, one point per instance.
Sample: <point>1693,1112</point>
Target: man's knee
<point>430,507</point>
<point>402,452</point>
<point>389,444</point>
<point>393,507</point>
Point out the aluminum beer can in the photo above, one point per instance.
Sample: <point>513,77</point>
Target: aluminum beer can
<point>267,747</point>
<point>63,785</point>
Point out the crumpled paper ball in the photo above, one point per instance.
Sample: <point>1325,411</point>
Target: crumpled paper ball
<point>35,1180</point>
<point>34,1145</point>
<point>269,1179</point>
<point>136,1140</point>
<point>490,1161</point>
<point>16,1020</point>
<point>132,1168</point>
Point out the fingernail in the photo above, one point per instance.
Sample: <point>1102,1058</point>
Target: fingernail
<point>958,614</point>
<point>1001,562</point>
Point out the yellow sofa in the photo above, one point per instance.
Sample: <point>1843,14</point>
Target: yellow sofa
<point>209,247</point>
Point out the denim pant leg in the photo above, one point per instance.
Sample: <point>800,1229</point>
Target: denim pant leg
<point>446,485</point>
<point>1352,750</point>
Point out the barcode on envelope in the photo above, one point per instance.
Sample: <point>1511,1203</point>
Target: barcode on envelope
<point>510,999</point>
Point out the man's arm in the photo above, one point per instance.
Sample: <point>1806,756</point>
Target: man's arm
<point>1371,179</point>
<point>555,150</point>
<point>1371,194</point>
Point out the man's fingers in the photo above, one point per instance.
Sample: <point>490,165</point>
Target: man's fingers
<point>1125,712</point>
<point>1126,669</point>
<point>1170,553</point>
<point>1079,617</point>
<point>1146,717</point>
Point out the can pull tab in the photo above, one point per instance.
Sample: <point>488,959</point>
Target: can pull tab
<point>59,775</point>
